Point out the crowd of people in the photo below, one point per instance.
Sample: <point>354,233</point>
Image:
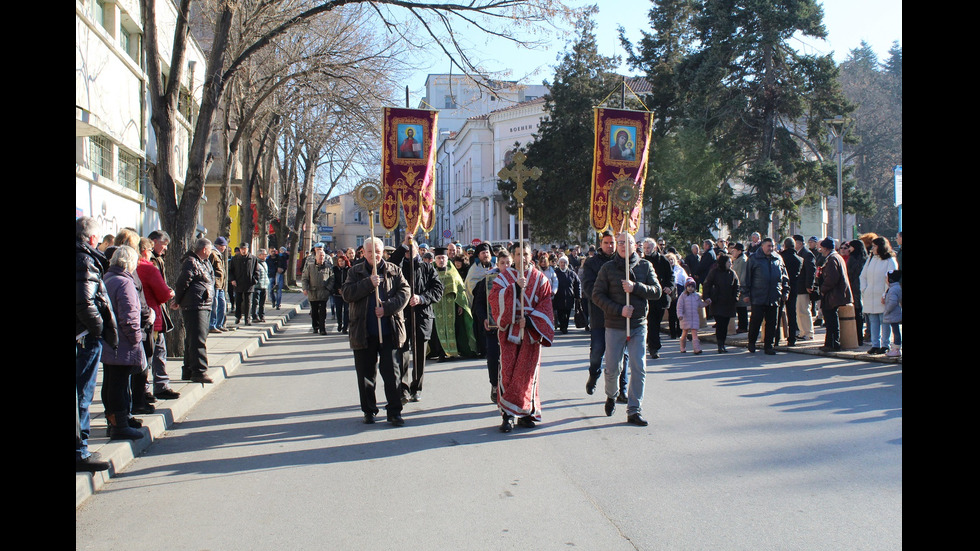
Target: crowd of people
<point>403,306</point>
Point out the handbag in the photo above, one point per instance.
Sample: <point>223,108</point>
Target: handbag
<point>580,321</point>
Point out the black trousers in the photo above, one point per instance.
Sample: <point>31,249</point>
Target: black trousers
<point>116,396</point>
<point>493,357</point>
<point>742,313</point>
<point>654,316</point>
<point>561,319</point>
<point>832,323</point>
<point>721,329</point>
<point>413,369</point>
<point>196,340</point>
<point>383,357</point>
<point>318,314</point>
<point>767,314</point>
<point>243,305</point>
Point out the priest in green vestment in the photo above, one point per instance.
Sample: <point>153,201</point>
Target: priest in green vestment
<point>454,321</point>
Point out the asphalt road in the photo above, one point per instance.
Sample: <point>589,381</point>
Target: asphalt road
<point>743,451</point>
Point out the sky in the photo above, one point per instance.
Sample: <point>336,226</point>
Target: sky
<point>848,22</point>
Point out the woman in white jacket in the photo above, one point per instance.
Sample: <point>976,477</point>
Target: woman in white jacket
<point>874,285</point>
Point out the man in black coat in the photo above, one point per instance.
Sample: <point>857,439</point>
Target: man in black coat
<point>243,274</point>
<point>427,289</point>
<point>661,266</point>
<point>94,321</point>
<point>193,295</point>
<point>597,318</point>
<point>794,267</point>
<point>804,283</point>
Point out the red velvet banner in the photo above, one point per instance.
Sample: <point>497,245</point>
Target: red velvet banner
<point>408,161</point>
<point>622,140</point>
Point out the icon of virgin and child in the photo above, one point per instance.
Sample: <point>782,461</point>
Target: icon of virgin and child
<point>622,148</point>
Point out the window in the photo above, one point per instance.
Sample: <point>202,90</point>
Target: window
<point>129,171</point>
<point>450,102</point>
<point>100,156</point>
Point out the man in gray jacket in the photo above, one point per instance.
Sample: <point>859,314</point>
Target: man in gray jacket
<point>623,296</point>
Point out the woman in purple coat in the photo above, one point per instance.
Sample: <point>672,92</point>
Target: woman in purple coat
<point>118,363</point>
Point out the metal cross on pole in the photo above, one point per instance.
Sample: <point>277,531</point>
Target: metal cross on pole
<point>519,175</point>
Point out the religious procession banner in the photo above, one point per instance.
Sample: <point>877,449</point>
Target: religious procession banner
<point>408,161</point>
<point>622,140</point>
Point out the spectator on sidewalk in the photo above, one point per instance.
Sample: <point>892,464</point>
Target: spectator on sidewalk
<point>721,291</point>
<point>261,287</point>
<point>157,294</point>
<point>874,285</point>
<point>120,361</point>
<point>194,296</point>
<point>219,307</point>
<point>243,273</point>
<point>794,267</point>
<point>94,324</point>
<point>835,291</point>
<point>892,316</point>
<point>766,285</point>
<point>804,283</point>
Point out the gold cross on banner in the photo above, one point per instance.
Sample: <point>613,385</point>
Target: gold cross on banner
<point>519,174</point>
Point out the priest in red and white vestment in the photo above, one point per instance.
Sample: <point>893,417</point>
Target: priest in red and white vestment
<point>521,333</point>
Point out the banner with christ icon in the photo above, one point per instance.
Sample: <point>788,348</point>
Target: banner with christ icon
<point>622,140</point>
<point>408,139</point>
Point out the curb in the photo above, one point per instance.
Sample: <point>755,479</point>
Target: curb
<point>223,362</point>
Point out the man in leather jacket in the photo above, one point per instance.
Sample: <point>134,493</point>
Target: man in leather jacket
<point>94,320</point>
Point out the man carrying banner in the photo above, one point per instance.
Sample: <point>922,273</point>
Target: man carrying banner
<point>623,297</point>
<point>521,306</point>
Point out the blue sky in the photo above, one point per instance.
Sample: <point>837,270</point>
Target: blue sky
<point>879,22</point>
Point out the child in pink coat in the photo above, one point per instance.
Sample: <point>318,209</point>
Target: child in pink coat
<point>688,305</point>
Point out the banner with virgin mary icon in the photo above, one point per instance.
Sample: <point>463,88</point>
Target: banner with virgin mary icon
<point>408,139</point>
<point>622,140</point>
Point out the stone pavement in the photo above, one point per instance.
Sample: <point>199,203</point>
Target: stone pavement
<point>227,351</point>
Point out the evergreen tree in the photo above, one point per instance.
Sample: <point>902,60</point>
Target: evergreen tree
<point>557,204</point>
<point>759,102</point>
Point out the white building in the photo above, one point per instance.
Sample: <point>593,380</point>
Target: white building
<point>468,151</point>
<point>113,139</point>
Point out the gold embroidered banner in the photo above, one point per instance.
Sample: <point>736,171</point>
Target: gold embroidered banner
<point>622,140</point>
<point>408,160</point>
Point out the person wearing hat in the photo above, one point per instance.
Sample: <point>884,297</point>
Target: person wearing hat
<point>243,274</point>
<point>477,272</point>
<point>835,291</point>
<point>766,285</point>
<point>282,266</point>
<point>454,321</point>
<point>317,281</point>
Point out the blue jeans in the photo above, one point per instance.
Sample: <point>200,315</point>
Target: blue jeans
<point>887,329</point>
<point>616,344</point>
<point>597,350</point>
<point>277,294</point>
<point>87,357</point>
<point>875,328</point>
<point>219,309</point>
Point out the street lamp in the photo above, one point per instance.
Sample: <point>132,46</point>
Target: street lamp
<point>837,129</point>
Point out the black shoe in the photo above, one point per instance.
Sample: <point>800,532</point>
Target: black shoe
<point>654,356</point>
<point>752,347</point>
<point>622,398</point>
<point>610,406</point>
<point>185,374</point>
<point>201,378</point>
<point>368,418</point>
<point>769,352</point>
<point>791,343</point>
<point>167,394</point>
<point>590,384</point>
<point>396,419</point>
<point>238,321</point>
<point>508,423</point>
<point>150,398</point>
<point>827,348</point>
<point>722,350</point>
<point>637,419</point>
<point>91,464</point>
<point>493,395</point>
<point>526,422</point>
<point>415,397</point>
<point>144,409</point>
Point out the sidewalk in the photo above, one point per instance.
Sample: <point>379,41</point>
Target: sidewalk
<point>226,351</point>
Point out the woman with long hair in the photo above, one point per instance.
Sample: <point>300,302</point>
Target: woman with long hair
<point>856,259</point>
<point>874,285</point>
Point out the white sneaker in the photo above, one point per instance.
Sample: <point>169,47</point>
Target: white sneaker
<point>894,352</point>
